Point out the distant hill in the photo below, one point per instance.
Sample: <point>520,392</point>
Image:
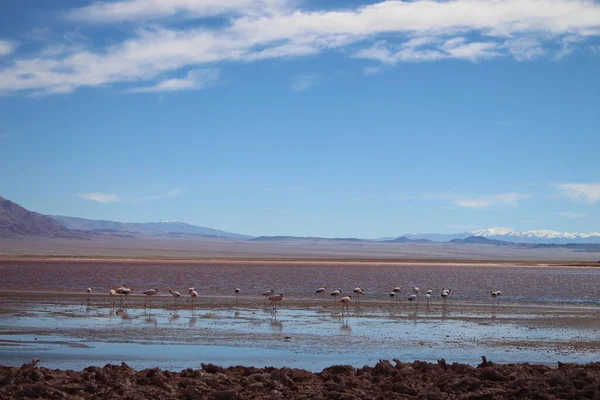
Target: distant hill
<point>18,221</point>
<point>301,238</point>
<point>482,240</point>
<point>404,239</point>
<point>145,228</point>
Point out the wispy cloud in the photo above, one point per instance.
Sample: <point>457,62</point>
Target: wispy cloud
<point>100,197</point>
<point>504,199</point>
<point>371,70</point>
<point>387,31</point>
<point>572,215</point>
<point>114,198</point>
<point>194,80</point>
<point>302,82</point>
<point>7,47</point>
<point>589,192</point>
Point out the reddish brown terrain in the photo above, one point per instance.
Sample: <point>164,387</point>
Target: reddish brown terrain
<point>417,380</point>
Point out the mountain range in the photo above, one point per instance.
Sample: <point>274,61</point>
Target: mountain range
<point>18,221</point>
<point>147,228</point>
<point>513,236</point>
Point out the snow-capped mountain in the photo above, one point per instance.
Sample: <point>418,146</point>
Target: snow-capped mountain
<point>512,235</point>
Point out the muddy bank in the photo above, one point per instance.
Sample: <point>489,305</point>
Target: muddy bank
<point>396,380</point>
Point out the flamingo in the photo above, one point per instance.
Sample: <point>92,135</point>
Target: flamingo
<point>123,291</point>
<point>445,295</point>
<point>396,292</point>
<point>274,299</point>
<point>175,294</point>
<point>149,293</point>
<point>412,298</point>
<point>427,298</point>
<point>321,291</point>
<point>496,294</point>
<point>392,294</point>
<point>237,292</point>
<point>268,294</point>
<point>335,294</point>
<point>112,292</point>
<point>429,291</point>
<point>192,294</point>
<point>89,291</point>
<point>358,291</point>
<point>416,291</point>
<point>345,302</point>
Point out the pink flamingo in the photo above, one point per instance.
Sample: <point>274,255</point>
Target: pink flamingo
<point>345,302</point>
<point>274,299</point>
<point>192,294</point>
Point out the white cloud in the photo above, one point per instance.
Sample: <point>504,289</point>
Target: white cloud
<point>302,82</point>
<point>567,46</point>
<point>7,47</point>
<point>371,70</point>
<point>415,31</point>
<point>504,199</point>
<point>100,197</point>
<point>589,192</point>
<point>134,10</point>
<point>114,198</point>
<point>194,80</point>
<point>525,49</point>
<point>572,215</point>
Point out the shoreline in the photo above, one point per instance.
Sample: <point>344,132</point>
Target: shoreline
<point>292,260</point>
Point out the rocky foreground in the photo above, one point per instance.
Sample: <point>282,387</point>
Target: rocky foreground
<point>417,380</point>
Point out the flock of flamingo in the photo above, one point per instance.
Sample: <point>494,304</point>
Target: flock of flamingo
<point>273,299</point>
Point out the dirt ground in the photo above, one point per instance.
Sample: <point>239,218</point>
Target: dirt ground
<point>397,380</point>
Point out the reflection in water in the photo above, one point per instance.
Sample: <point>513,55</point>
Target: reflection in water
<point>174,317</point>
<point>275,323</point>
<point>345,326</point>
<point>122,312</point>
<point>149,318</point>
<point>193,319</point>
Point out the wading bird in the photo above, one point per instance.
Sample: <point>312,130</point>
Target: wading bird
<point>416,291</point>
<point>427,298</point>
<point>397,290</point>
<point>345,302</point>
<point>123,291</point>
<point>192,294</point>
<point>149,293</point>
<point>392,294</point>
<point>89,291</point>
<point>445,295</point>
<point>112,293</point>
<point>175,294</point>
<point>412,298</point>
<point>274,299</point>
<point>496,294</point>
<point>237,292</point>
<point>335,294</point>
<point>358,291</point>
<point>268,294</point>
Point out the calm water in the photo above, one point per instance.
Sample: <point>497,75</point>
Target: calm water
<point>518,283</point>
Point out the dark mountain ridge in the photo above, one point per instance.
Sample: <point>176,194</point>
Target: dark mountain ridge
<point>18,221</point>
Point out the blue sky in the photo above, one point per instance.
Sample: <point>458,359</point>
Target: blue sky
<point>292,117</point>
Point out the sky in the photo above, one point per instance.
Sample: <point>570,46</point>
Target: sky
<point>304,117</point>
